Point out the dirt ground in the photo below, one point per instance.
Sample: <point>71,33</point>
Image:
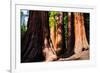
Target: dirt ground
<point>85,55</point>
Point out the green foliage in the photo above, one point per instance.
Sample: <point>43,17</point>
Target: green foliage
<point>52,21</point>
<point>65,21</point>
<point>23,28</point>
<point>53,13</point>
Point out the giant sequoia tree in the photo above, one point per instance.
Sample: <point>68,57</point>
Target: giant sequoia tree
<point>54,36</point>
<point>80,34</point>
<point>32,42</point>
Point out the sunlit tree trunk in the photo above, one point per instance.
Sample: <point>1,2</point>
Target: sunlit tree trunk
<point>80,34</point>
<point>52,34</point>
<point>56,31</point>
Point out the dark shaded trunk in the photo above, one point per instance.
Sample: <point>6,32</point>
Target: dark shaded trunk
<point>32,43</point>
<point>70,34</point>
<point>63,29</point>
<point>59,34</point>
<point>70,38</point>
<point>87,24</point>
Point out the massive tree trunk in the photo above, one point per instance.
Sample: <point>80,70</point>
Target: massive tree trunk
<point>32,42</point>
<point>80,34</point>
<point>36,38</point>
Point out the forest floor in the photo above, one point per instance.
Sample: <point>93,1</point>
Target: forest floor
<point>85,55</point>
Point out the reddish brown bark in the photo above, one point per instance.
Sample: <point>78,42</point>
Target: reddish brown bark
<point>80,36</point>
<point>56,33</point>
